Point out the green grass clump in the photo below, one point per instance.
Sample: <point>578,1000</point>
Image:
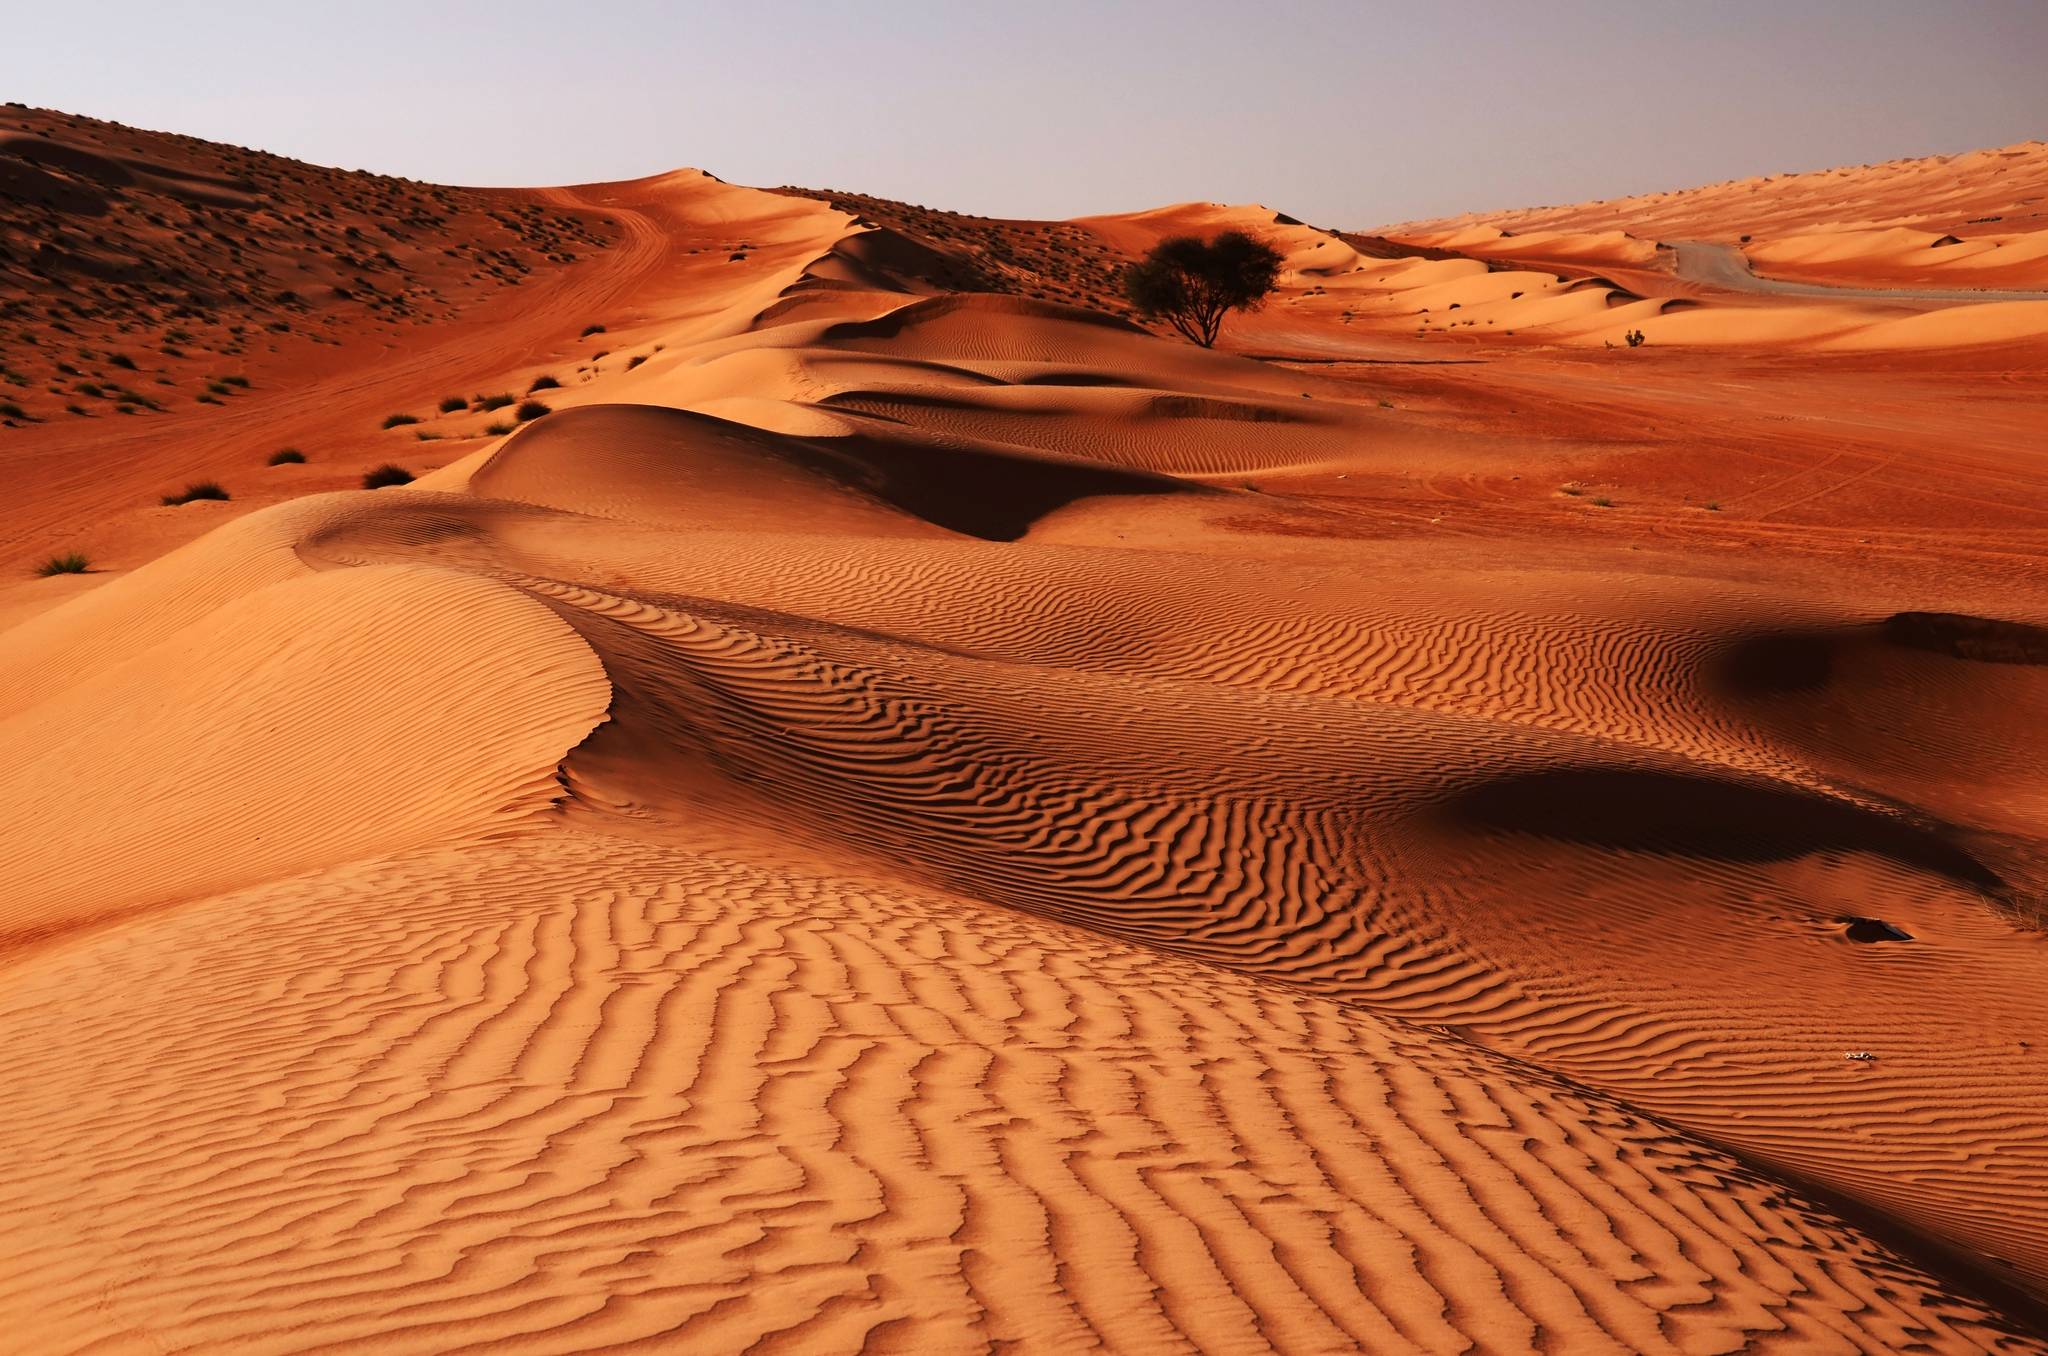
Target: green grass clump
<point>204,489</point>
<point>387,474</point>
<point>71,562</point>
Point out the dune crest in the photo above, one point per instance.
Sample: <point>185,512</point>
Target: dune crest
<point>865,799</point>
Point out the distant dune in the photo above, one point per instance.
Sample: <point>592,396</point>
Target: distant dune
<point>862,799</point>
<point>1978,220</point>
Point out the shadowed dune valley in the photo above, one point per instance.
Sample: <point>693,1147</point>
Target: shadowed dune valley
<point>664,766</point>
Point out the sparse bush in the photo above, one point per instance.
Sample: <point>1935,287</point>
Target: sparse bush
<point>71,562</point>
<point>204,489</point>
<point>426,437</point>
<point>11,410</point>
<point>387,474</point>
<point>400,420</point>
<point>1635,338</point>
<point>543,382</point>
<point>219,388</point>
<point>496,402</point>
<point>1193,283</point>
<point>1602,501</point>
<point>122,360</point>
<point>530,410</point>
<point>450,404</point>
<point>289,456</point>
<point>589,330</point>
<point>498,430</point>
<point>635,361</point>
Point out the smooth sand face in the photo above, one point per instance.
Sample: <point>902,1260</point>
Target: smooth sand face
<point>903,819</point>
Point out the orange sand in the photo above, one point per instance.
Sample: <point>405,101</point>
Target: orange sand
<point>901,818</point>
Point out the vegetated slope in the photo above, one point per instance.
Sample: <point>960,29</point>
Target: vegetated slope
<point>954,251</point>
<point>917,821</point>
<point>135,266</point>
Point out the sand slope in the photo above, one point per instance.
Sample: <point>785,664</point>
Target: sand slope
<point>1975,220</point>
<point>907,819</point>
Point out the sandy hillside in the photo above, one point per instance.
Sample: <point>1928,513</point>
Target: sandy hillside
<point>905,811</point>
<point>1974,221</point>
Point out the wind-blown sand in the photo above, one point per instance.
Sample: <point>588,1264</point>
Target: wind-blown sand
<point>902,818</point>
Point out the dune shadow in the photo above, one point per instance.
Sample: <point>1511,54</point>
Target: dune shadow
<point>1985,640</point>
<point>1777,662</point>
<point>1709,818</point>
<point>986,493</point>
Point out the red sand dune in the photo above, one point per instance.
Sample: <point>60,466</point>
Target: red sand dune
<point>1975,221</point>
<point>911,813</point>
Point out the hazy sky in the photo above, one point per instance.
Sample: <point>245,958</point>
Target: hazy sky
<point>1343,114</point>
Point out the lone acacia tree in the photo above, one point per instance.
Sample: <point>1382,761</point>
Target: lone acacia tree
<point>1194,283</point>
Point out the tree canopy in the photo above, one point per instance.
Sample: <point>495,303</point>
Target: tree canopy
<point>1194,283</point>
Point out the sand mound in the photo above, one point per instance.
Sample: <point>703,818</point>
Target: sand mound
<point>899,813</point>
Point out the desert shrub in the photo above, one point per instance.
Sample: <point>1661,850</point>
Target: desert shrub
<point>219,388</point>
<point>1603,502</point>
<point>497,430</point>
<point>71,562</point>
<point>496,402</point>
<point>635,361</point>
<point>400,420</point>
<point>122,360</point>
<point>589,330</point>
<point>1193,283</point>
<point>1635,338</point>
<point>543,383</point>
<point>288,456</point>
<point>426,437</point>
<point>530,410</point>
<point>204,489</point>
<point>11,410</point>
<point>387,474</point>
<point>450,404</point>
